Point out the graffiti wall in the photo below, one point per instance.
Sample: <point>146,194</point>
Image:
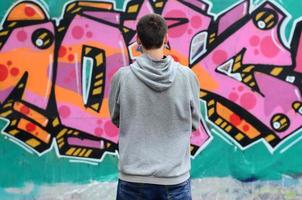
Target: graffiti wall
<point>56,66</point>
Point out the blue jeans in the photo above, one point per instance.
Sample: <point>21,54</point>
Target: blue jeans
<point>143,191</point>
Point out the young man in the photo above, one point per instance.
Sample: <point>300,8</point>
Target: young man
<point>155,104</point>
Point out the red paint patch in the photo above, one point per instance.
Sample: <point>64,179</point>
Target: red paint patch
<point>235,120</point>
<point>111,129</point>
<point>9,63</point>
<point>89,34</point>
<point>219,56</point>
<point>246,127</point>
<point>36,133</point>
<point>268,47</point>
<point>21,36</point>
<point>70,57</point>
<point>64,111</point>
<point>233,96</point>
<point>248,101</point>
<point>66,80</point>
<point>30,127</point>
<point>3,72</point>
<point>29,11</point>
<point>196,134</point>
<point>196,21</point>
<point>14,71</point>
<point>176,31</point>
<point>254,40</point>
<point>98,132</point>
<point>62,51</point>
<point>72,73</point>
<point>77,32</point>
<point>240,88</point>
<point>25,110</point>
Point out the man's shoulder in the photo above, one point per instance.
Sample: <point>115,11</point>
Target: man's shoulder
<point>121,71</point>
<point>186,70</point>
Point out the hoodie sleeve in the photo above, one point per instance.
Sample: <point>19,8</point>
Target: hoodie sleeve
<point>114,104</point>
<point>194,103</point>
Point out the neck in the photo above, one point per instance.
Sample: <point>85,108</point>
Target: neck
<point>156,54</point>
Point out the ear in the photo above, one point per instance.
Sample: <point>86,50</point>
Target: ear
<point>166,39</point>
<point>138,41</point>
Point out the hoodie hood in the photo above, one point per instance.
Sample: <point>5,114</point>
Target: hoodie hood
<point>156,74</point>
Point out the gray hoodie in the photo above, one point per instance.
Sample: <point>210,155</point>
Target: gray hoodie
<point>155,104</point>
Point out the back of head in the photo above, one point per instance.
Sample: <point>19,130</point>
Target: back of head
<point>151,30</point>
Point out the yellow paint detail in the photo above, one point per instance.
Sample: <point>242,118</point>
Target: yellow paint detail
<point>239,137</point>
<point>13,123</point>
<point>249,68</point>
<point>95,106</point>
<point>125,30</point>
<point>87,50</point>
<point>7,105</point>
<point>99,75</point>
<point>61,145</point>
<point>82,152</point>
<point>159,4</point>
<point>77,152</point>
<point>211,102</point>
<point>211,112</point>
<point>252,84</point>
<point>70,7</point>
<point>14,132</point>
<point>100,5</point>
<point>5,114</point>
<point>100,82</point>
<point>218,121</point>
<point>202,94</point>
<point>276,71</point>
<point>271,16</point>
<point>61,29</point>
<point>228,128</point>
<point>97,91</point>
<point>236,66</point>
<point>269,138</point>
<point>133,8</point>
<point>61,133</point>
<point>223,125</point>
<point>33,142</point>
<point>12,24</point>
<point>76,10</point>
<point>247,79</point>
<point>88,153</point>
<point>70,151</point>
<point>3,33</point>
<point>238,58</point>
<point>20,86</point>
<point>259,15</point>
<point>99,59</point>
<point>55,122</point>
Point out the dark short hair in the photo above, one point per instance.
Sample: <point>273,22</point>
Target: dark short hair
<point>151,30</point>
